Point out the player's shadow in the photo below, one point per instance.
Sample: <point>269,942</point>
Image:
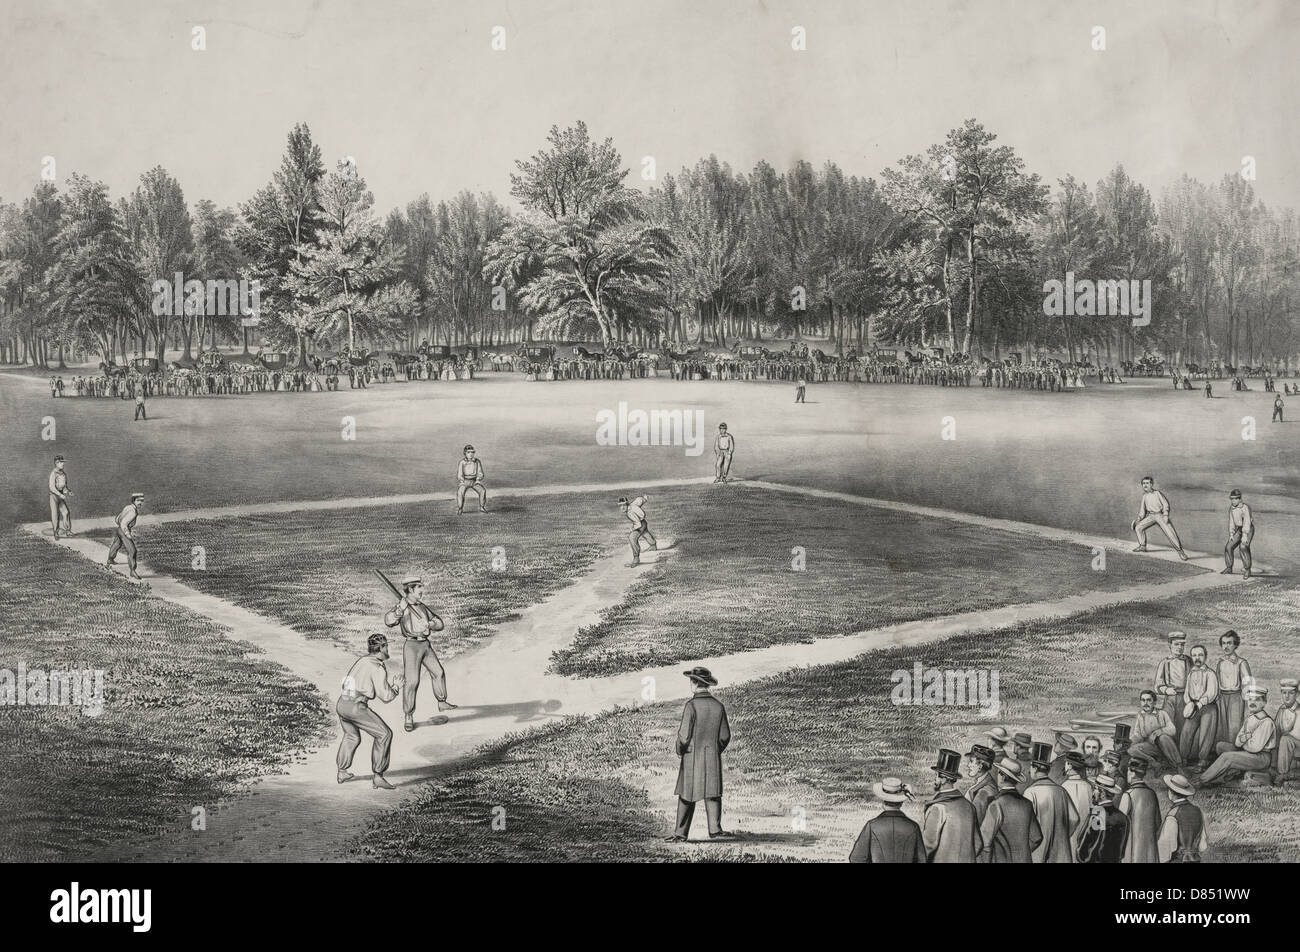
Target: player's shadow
<point>523,712</point>
<point>741,836</point>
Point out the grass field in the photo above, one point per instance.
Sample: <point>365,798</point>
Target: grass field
<point>816,738</point>
<point>186,716</point>
<point>727,585</point>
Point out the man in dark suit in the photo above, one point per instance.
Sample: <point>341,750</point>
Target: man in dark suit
<point>701,739</point>
<point>1105,842</point>
<point>952,827</point>
<point>891,836</point>
<point>984,787</point>
<point>1010,829</point>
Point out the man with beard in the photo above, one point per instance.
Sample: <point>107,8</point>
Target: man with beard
<point>1196,740</point>
<point>1142,807</point>
<point>951,831</point>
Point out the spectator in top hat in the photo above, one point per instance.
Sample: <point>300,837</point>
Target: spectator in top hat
<point>1105,842</point>
<point>1057,817</point>
<point>702,737</point>
<point>1142,807</point>
<point>1120,742</point>
<point>1182,834</point>
<point>1010,829</point>
<point>984,788</point>
<point>951,832</point>
<point>891,836</point>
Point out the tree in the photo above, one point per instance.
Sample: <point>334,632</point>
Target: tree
<point>161,236</point>
<point>582,254</point>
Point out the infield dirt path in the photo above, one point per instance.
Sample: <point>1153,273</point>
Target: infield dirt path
<point>503,685</point>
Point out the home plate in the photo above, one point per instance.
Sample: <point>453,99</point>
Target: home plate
<point>438,719</point>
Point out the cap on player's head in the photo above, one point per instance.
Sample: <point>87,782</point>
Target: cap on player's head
<point>376,641</point>
<point>137,497</point>
<point>1235,494</point>
<point>622,500</point>
<point>1148,479</point>
<point>468,447</point>
<point>722,426</point>
<point>58,459</point>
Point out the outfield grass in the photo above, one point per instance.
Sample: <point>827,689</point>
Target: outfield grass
<point>730,584</point>
<point>187,718</point>
<point>817,738</point>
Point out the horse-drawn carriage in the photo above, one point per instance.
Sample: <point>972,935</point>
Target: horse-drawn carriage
<point>273,361</point>
<point>145,365</point>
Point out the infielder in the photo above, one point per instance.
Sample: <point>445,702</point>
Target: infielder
<point>417,621</point>
<point>724,445</point>
<point>469,475</point>
<point>1154,511</point>
<point>123,536</point>
<point>60,514</point>
<point>635,512</point>
<point>1241,529</point>
<point>366,680</point>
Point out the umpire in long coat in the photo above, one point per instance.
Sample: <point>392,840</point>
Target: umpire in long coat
<point>951,831</point>
<point>891,836</point>
<point>701,739</point>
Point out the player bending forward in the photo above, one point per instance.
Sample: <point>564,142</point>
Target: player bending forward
<point>469,475</point>
<point>1155,511</point>
<point>635,512</point>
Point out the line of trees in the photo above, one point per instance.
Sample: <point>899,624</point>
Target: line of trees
<point>951,248</point>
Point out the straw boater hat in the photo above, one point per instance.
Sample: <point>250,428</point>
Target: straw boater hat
<point>1108,786</point>
<point>1179,785</point>
<point>1009,768</point>
<point>892,790</point>
<point>1066,741</point>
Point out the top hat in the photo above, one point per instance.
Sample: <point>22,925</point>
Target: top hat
<point>1122,732</point>
<point>701,676</point>
<point>981,753</point>
<point>948,764</point>
<point>892,790</point>
<point>1042,754</point>
<point>1179,785</point>
<point>1022,739</point>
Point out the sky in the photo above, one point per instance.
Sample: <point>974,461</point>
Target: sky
<point>416,94</point>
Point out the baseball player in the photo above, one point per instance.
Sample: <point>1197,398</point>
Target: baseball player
<point>469,475</point>
<point>1154,511</point>
<point>1241,529</point>
<point>60,514</point>
<point>635,512</point>
<point>724,445</point>
<point>366,680</point>
<point>416,622</point>
<point>123,535</point>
